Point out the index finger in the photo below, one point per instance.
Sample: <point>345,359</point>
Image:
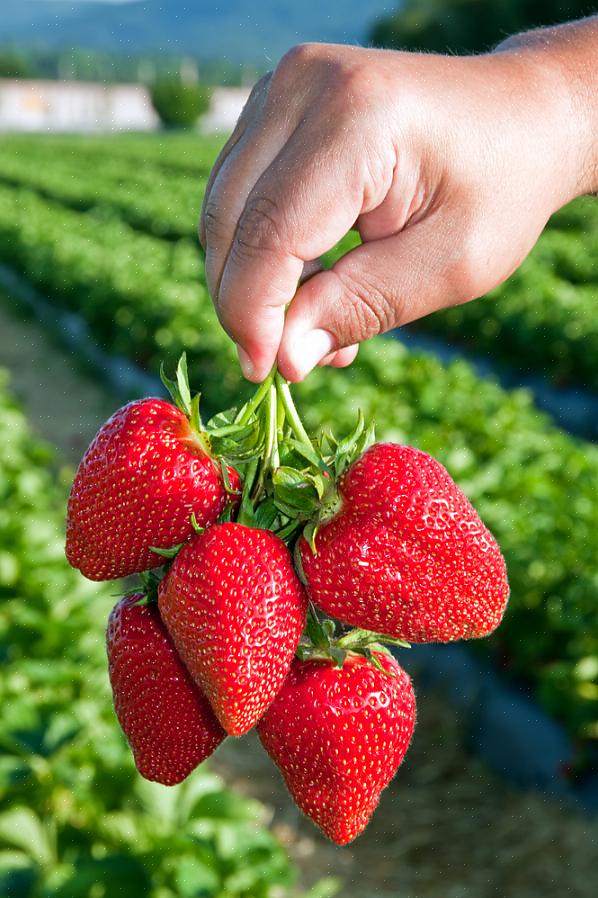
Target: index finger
<point>299,208</point>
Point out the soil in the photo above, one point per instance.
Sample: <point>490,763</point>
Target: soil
<point>447,827</point>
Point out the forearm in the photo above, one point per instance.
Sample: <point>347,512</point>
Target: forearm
<point>570,54</point>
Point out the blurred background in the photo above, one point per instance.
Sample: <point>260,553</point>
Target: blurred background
<point>111,115</point>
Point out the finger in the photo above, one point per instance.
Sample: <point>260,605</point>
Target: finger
<point>341,358</point>
<point>296,211</point>
<point>262,141</point>
<point>373,288</point>
<point>344,357</point>
<point>248,113</point>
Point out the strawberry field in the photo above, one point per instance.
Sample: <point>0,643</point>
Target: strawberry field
<point>105,228</point>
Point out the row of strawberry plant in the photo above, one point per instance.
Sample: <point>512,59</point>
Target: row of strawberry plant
<point>534,485</point>
<point>148,197</point>
<point>75,818</point>
<point>177,153</point>
<point>543,316</point>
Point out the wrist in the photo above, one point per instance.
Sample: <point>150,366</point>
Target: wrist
<point>561,60</point>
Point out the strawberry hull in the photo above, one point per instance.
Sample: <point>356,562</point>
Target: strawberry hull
<point>338,737</point>
<point>138,484</point>
<point>168,722</point>
<point>407,555</point>
<point>235,609</point>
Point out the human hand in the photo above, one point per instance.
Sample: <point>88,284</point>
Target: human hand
<point>448,166</point>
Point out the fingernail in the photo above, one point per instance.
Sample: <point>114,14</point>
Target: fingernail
<point>245,362</point>
<point>311,349</point>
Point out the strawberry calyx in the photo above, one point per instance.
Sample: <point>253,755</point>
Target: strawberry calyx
<point>180,392</point>
<point>320,642</point>
<point>147,588</point>
<point>290,481</point>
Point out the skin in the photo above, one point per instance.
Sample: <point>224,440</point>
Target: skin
<point>448,166</point>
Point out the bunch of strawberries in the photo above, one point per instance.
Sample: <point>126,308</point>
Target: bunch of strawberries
<point>276,569</point>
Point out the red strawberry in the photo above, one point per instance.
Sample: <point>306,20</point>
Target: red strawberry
<point>338,737</point>
<point>406,555</point>
<point>140,480</point>
<point>167,720</point>
<point>235,609</point>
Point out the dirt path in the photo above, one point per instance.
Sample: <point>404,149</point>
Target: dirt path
<point>446,827</point>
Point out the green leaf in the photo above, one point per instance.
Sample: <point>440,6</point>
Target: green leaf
<point>266,514</point>
<point>295,492</point>
<point>222,420</point>
<point>194,415</point>
<point>20,827</point>
<point>194,878</point>
<point>18,875</point>
<point>174,391</point>
<point>307,452</point>
<point>167,553</point>
<point>182,379</point>
<point>309,534</point>
<point>325,888</point>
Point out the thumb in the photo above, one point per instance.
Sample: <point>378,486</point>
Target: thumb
<point>372,289</point>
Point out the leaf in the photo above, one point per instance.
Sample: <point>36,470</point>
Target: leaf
<point>167,553</point>
<point>265,514</point>
<point>18,876</point>
<point>196,525</point>
<point>194,415</point>
<point>325,888</point>
<point>182,379</point>
<point>222,420</point>
<point>20,827</point>
<point>307,452</point>
<point>194,878</point>
<point>115,874</point>
<point>295,493</point>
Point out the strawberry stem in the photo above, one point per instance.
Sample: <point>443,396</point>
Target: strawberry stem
<point>291,413</point>
<point>270,458</point>
<point>256,400</point>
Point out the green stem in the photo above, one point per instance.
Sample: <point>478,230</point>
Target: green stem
<point>292,415</point>
<point>270,455</point>
<point>258,397</point>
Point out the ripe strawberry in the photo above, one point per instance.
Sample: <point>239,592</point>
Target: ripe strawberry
<point>338,737</point>
<point>406,554</point>
<point>140,480</point>
<point>235,609</point>
<point>167,720</point>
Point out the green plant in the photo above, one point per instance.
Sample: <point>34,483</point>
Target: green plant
<point>76,820</point>
<point>535,487</point>
<point>179,104</point>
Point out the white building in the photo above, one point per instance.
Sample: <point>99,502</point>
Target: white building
<point>74,106</point>
<point>78,106</point>
<point>226,104</point>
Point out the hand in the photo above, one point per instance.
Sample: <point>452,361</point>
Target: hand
<point>448,166</point>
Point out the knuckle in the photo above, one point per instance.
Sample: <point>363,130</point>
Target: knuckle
<point>258,229</point>
<point>372,308</point>
<point>297,57</point>
<point>210,219</point>
<point>256,92</point>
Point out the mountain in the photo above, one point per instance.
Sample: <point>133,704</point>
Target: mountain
<point>251,31</point>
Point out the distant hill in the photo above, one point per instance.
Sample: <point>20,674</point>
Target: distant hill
<point>251,31</point>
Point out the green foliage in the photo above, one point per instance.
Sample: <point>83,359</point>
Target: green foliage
<point>468,26</point>
<point>178,104</point>
<point>534,485</point>
<point>76,820</point>
<point>150,198</point>
<point>543,318</point>
<point>12,65</point>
